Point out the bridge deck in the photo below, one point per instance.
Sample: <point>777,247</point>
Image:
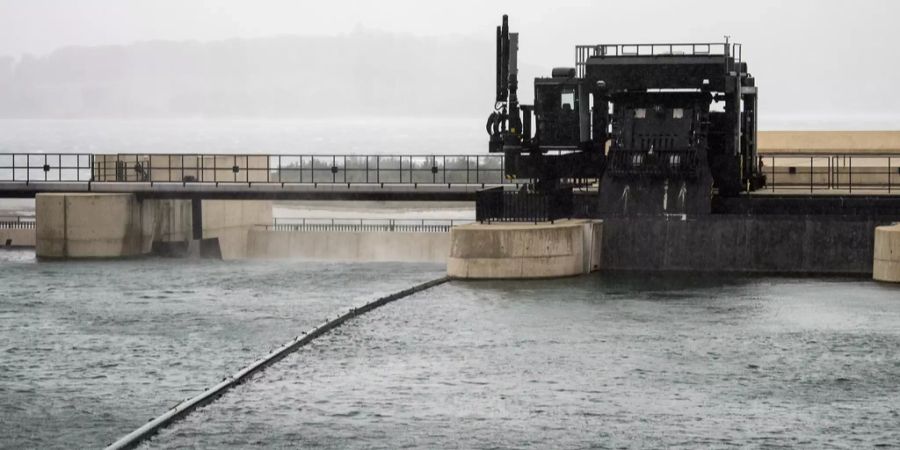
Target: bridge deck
<point>377,177</point>
<point>269,191</point>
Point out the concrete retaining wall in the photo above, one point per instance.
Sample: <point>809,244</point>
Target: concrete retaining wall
<point>350,246</point>
<point>886,262</point>
<point>829,141</point>
<point>17,237</point>
<point>566,248</point>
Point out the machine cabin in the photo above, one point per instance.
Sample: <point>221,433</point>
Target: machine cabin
<point>633,115</point>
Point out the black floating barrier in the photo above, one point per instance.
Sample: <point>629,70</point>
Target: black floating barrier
<point>181,410</point>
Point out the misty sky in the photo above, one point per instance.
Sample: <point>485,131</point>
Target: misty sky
<point>838,57</point>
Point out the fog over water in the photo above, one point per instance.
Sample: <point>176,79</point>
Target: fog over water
<point>814,60</point>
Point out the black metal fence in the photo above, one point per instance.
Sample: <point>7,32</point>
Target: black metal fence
<point>824,172</point>
<point>27,167</point>
<point>366,225</point>
<point>585,52</point>
<point>499,205</point>
<point>247,168</point>
<point>784,171</point>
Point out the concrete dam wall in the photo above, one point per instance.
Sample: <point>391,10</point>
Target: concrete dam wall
<point>801,244</point>
<point>357,246</point>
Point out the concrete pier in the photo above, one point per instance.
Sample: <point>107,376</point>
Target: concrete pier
<point>886,264</point>
<point>525,250</point>
<point>94,225</point>
<point>89,226</point>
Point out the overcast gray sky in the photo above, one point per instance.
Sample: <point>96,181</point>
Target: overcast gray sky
<point>841,56</point>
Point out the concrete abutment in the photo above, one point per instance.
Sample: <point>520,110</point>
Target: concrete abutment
<point>886,262</point>
<point>520,250</point>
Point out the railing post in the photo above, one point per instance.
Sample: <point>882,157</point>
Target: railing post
<point>477,168</point>
<point>773,173</point>
<point>830,173</point>
<point>467,170</point>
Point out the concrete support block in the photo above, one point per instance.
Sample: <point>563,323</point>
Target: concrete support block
<point>119,225</point>
<point>87,226</point>
<point>886,264</point>
<point>231,222</point>
<point>564,248</point>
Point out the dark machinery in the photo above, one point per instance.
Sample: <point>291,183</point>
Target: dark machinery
<point>665,127</point>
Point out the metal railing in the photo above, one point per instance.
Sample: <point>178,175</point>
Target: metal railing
<point>304,169</point>
<point>784,170</point>
<point>584,52</point>
<point>842,172</point>
<point>27,167</point>
<point>367,225</point>
<point>201,168</point>
<point>498,205</point>
<point>17,223</point>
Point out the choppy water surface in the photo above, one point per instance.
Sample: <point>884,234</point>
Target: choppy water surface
<point>597,361</point>
<point>92,350</point>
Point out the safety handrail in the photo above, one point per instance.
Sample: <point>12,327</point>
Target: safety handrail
<point>584,52</point>
<point>365,225</point>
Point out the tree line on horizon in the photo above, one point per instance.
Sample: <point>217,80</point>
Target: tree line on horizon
<point>363,73</point>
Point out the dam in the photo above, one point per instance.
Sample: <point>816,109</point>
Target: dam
<point>627,269</point>
<point>843,185</point>
<point>641,157</point>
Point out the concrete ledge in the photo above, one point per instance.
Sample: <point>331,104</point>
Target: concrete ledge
<point>886,263</point>
<point>519,250</point>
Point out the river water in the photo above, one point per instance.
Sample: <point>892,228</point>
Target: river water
<point>600,361</point>
<point>93,350</point>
